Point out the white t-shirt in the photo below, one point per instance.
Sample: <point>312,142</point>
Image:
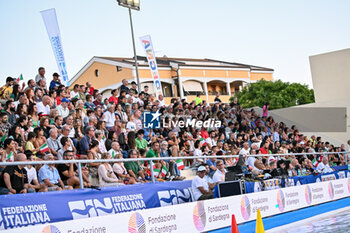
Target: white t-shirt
<point>71,132</point>
<point>140,102</point>
<point>31,174</point>
<point>321,168</point>
<point>9,157</point>
<point>109,117</point>
<point>119,169</point>
<point>244,151</point>
<point>219,176</point>
<point>101,146</point>
<point>131,126</point>
<point>161,103</point>
<point>196,183</point>
<point>228,131</point>
<point>44,109</point>
<point>138,124</point>
<point>74,95</point>
<point>276,137</point>
<point>250,161</point>
<point>198,152</point>
<point>62,112</point>
<point>60,154</point>
<point>135,100</point>
<point>210,141</point>
<point>257,144</point>
<point>114,153</point>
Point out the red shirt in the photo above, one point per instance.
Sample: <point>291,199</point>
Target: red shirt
<point>91,91</point>
<point>204,134</point>
<point>97,103</point>
<point>264,151</point>
<point>113,99</point>
<point>58,99</point>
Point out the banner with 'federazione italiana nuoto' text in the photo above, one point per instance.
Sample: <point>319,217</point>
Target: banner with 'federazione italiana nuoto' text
<point>148,47</point>
<point>51,24</point>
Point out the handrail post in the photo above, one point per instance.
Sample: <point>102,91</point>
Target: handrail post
<point>346,158</point>
<point>80,176</point>
<point>152,175</point>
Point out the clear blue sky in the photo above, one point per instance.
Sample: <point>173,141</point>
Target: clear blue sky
<point>271,33</point>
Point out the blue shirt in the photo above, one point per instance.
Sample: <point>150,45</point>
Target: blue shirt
<point>252,124</point>
<point>276,137</point>
<point>54,84</point>
<point>123,87</point>
<point>84,145</point>
<point>90,105</point>
<point>269,131</point>
<point>210,162</point>
<point>46,172</point>
<point>147,133</point>
<point>164,153</point>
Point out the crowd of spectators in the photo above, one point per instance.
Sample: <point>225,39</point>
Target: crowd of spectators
<point>56,122</point>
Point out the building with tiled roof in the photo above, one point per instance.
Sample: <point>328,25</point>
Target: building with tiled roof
<point>180,77</point>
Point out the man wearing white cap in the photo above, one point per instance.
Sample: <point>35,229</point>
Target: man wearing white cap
<point>200,186</point>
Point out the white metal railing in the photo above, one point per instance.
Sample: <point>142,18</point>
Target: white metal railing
<point>85,161</point>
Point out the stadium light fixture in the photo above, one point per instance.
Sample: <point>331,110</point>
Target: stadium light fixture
<point>135,5</point>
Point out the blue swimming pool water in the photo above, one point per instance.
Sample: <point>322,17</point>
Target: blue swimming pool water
<point>295,216</point>
<point>337,223</point>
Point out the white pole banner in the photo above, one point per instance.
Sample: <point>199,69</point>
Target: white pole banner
<point>51,24</point>
<point>148,46</point>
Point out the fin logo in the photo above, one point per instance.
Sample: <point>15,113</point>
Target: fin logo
<point>91,208</point>
<point>174,196</point>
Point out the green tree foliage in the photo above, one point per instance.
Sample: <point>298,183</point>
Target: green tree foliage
<point>279,94</point>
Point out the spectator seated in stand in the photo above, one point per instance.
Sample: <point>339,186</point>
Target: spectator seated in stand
<point>106,175</point>
<point>324,167</point>
<point>66,121</point>
<point>200,186</point>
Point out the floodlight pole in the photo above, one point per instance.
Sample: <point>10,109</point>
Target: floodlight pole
<point>135,57</point>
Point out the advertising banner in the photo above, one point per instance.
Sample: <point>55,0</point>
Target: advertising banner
<point>37,208</point>
<point>151,57</point>
<point>51,24</point>
<point>31,209</point>
<point>298,180</point>
<point>207,215</point>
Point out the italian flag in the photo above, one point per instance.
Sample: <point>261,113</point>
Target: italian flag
<point>315,162</point>
<point>149,169</point>
<point>113,154</point>
<point>164,171</point>
<point>202,141</point>
<point>20,78</point>
<point>44,148</point>
<point>156,172</point>
<point>180,164</point>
